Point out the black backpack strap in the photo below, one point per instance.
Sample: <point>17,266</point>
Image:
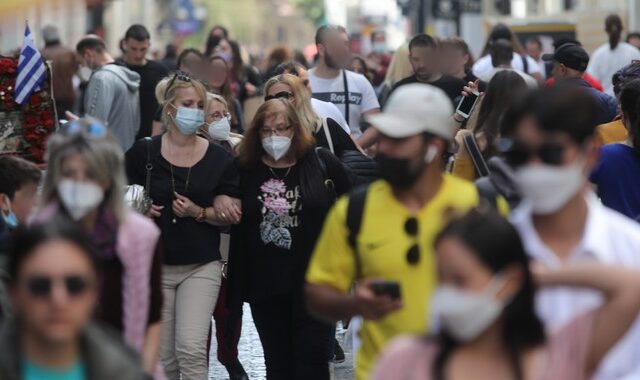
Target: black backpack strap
<point>476,156</point>
<point>355,212</point>
<point>525,63</point>
<point>346,96</point>
<point>487,192</point>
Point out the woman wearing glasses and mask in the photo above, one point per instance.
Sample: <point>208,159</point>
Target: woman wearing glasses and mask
<point>186,173</point>
<point>291,88</point>
<point>84,183</point>
<point>287,188</point>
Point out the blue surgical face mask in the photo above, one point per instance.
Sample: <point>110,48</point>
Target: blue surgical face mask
<point>188,120</point>
<point>10,218</point>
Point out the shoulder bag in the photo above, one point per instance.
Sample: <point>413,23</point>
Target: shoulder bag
<point>136,196</point>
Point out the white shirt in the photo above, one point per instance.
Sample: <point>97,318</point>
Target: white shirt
<point>528,79</point>
<point>484,65</point>
<point>326,109</point>
<point>362,97</point>
<point>605,62</point>
<point>609,237</point>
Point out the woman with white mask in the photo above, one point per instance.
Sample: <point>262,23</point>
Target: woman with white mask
<point>287,189</point>
<point>85,181</point>
<point>183,174</point>
<point>217,124</point>
<point>484,308</point>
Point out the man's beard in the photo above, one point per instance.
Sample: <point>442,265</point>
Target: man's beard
<point>330,62</point>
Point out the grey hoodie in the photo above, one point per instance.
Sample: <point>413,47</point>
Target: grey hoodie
<point>112,96</point>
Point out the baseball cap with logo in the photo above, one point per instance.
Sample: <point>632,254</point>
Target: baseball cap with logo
<point>413,109</point>
<point>571,55</point>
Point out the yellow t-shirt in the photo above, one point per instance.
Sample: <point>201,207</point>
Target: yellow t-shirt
<point>611,132</point>
<point>383,246</point>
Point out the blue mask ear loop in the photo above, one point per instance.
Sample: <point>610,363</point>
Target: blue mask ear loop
<point>10,218</point>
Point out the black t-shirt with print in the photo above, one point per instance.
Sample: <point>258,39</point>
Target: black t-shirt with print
<point>273,243</point>
<point>452,86</point>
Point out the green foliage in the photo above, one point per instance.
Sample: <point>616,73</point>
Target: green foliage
<point>312,9</point>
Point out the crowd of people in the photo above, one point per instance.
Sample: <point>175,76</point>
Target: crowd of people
<point>461,217</point>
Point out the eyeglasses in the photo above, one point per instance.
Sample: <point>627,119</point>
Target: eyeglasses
<point>180,75</point>
<point>518,154</point>
<point>411,228</point>
<point>280,95</point>
<point>217,116</point>
<point>77,127</point>
<point>278,131</point>
<point>41,286</point>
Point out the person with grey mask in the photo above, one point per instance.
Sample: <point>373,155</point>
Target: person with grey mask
<point>183,173</point>
<point>332,82</point>
<point>551,147</point>
<point>485,318</point>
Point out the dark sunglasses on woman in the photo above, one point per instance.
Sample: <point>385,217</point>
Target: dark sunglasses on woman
<point>42,286</point>
<point>280,95</point>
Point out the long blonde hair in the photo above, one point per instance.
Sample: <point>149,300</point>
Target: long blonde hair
<point>400,67</point>
<point>166,92</point>
<point>104,157</point>
<point>309,119</point>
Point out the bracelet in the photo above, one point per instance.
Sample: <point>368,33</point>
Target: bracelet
<point>203,215</point>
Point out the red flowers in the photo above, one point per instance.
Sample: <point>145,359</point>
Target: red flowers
<point>37,114</point>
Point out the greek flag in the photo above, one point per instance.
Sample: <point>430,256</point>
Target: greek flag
<point>31,69</point>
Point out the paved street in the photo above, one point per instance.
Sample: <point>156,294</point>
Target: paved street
<point>251,356</point>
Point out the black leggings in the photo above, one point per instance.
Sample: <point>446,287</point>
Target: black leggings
<point>296,345</point>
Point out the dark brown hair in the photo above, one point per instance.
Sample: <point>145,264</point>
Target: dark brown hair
<point>251,151</point>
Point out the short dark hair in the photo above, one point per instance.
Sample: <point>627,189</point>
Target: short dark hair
<point>562,108</point>
<point>322,31</point>
<point>289,67</point>
<point>225,32</point>
<point>186,52</point>
<point>26,239</point>
<point>91,42</point>
<point>137,32</point>
<point>625,75</point>
<point>422,40</point>
<point>501,52</point>
<point>16,172</point>
<point>534,40</point>
<point>633,35</point>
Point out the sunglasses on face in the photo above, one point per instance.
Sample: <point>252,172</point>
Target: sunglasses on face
<point>280,95</point>
<point>278,131</point>
<point>411,228</point>
<point>518,154</point>
<point>41,286</point>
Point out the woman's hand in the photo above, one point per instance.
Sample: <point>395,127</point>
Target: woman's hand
<point>471,88</point>
<point>183,207</point>
<point>155,211</point>
<point>462,149</point>
<point>227,209</point>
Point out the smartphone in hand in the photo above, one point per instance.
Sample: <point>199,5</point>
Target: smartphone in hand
<point>389,288</point>
<point>467,103</point>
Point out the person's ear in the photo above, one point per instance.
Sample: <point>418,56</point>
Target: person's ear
<point>321,49</point>
<point>466,59</point>
<point>5,203</point>
<point>592,154</point>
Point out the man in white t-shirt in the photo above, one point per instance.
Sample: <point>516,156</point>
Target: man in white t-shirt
<point>612,56</point>
<point>330,82</point>
<point>533,46</point>
<point>501,52</point>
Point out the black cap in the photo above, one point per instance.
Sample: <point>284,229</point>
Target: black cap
<point>571,55</point>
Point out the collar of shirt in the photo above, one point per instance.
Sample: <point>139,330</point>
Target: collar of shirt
<point>592,246</point>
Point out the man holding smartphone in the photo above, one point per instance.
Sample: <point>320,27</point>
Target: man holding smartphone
<point>390,255</point>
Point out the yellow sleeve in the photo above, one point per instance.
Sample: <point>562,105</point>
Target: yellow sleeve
<point>332,262</point>
<point>503,206</point>
<point>463,168</point>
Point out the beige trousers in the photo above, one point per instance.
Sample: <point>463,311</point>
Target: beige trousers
<point>190,293</point>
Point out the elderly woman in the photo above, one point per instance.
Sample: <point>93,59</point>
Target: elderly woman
<point>185,173</point>
<point>84,182</point>
<point>287,188</point>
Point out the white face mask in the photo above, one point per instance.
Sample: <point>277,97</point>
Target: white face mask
<point>465,315</point>
<point>79,198</point>
<point>549,187</point>
<point>276,146</point>
<point>220,129</point>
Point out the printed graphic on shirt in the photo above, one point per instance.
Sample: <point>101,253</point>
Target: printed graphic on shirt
<point>338,97</point>
<point>279,212</point>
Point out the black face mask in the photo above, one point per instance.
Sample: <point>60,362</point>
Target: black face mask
<point>398,171</point>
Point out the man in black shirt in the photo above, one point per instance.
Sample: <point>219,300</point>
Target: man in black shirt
<point>423,55</point>
<point>136,45</point>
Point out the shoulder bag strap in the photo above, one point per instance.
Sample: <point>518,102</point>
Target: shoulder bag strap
<point>148,167</point>
<point>525,63</point>
<point>355,212</point>
<point>345,83</point>
<point>325,127</point>
<point>474,152</point>
<point>328,182</point>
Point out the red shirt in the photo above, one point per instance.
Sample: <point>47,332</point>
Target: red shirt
<point>591,80</point>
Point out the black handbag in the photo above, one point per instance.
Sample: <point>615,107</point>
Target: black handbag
<point>363,168</point>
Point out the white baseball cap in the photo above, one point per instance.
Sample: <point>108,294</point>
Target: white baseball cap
<point>413,109</point>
